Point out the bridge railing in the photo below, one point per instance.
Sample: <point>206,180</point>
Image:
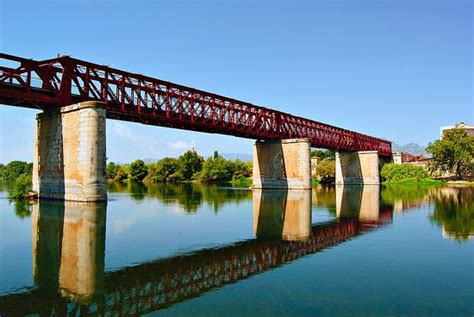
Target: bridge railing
<point>133,97</point>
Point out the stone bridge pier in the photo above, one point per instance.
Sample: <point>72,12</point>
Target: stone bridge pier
<point>70,153</point>
<point>287,164</point>
<point>282,164</point>
<point>358,168</point>
<point>361,168</point>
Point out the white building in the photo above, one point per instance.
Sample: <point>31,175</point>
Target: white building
<point>469,129</point>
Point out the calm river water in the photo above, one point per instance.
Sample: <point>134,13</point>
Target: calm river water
<point>209,250</point>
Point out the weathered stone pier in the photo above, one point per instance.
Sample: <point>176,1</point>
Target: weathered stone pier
<point>70,153</point>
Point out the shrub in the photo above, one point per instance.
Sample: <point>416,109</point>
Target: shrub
<point>326,169</point>
<point>21,187</point>
<point>403,173</point>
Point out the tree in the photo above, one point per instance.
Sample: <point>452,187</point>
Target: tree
<point>330,155</point>
<point>326,154</point>
<point>14,169</point>
<point>120,174</point>
<point>454,153</point>
<point>189,165</point>
<point>138,171</point>
<point>326,169</point>
<point>21,186</point>
<point>111,170</point>
<point>241,169</point>
<point>164,169</point>
<point>2,170</point>
<point>215,169</point>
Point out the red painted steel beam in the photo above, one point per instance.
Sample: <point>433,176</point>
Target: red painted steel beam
<point>64,80</point>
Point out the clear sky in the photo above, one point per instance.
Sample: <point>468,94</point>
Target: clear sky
<point>394,69</point>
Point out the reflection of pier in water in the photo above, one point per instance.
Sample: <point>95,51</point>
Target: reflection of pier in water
<point>68,249</point>
<point>361,202</point>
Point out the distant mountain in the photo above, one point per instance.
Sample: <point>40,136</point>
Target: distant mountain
<point>238,156</point>
<point>412,148</point>
<point>150,160</point>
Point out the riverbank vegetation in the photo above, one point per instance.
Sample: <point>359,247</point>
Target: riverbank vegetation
<point>19,175</point>
<point>407,174</point>
<point>188,167</point>
<point>325,172</point>
<point>453,154</point>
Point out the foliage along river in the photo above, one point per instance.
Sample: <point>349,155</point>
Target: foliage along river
<point>207,250</point>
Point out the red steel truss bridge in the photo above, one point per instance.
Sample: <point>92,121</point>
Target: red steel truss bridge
<point>62,81</point>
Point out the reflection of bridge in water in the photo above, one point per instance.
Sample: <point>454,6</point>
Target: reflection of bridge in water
<point>69,249</point>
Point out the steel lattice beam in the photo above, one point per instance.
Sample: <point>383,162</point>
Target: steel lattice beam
<point>132,97</point>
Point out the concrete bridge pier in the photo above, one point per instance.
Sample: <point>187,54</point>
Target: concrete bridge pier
<point>361,168</point>
<point>282,164</point>
<point>70,160</point>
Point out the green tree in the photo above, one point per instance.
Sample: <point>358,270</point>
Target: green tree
<point>454,153</point>
<point>215,169</point>
<point>330,155</point>
<point>241,169</point>
<point>21,186</point>
<point>15,168</point>
<point>121,174</point>
<point>164,169</point>
<point>189,165</point>
<point>326,154</point>
<point>138,171</point>
<point>111,170</point>
<point>2,170</point>
<point>326,169</point>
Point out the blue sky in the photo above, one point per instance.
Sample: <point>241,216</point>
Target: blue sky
<point>394,69</point>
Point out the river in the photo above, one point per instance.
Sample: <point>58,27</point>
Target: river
<point>213,250</point>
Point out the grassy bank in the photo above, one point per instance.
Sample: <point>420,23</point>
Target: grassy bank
<point>412,182</point>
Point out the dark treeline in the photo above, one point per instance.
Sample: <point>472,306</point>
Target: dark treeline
<point>190,166</point>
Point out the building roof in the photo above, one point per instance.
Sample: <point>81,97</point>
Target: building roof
<point>468,127</point>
